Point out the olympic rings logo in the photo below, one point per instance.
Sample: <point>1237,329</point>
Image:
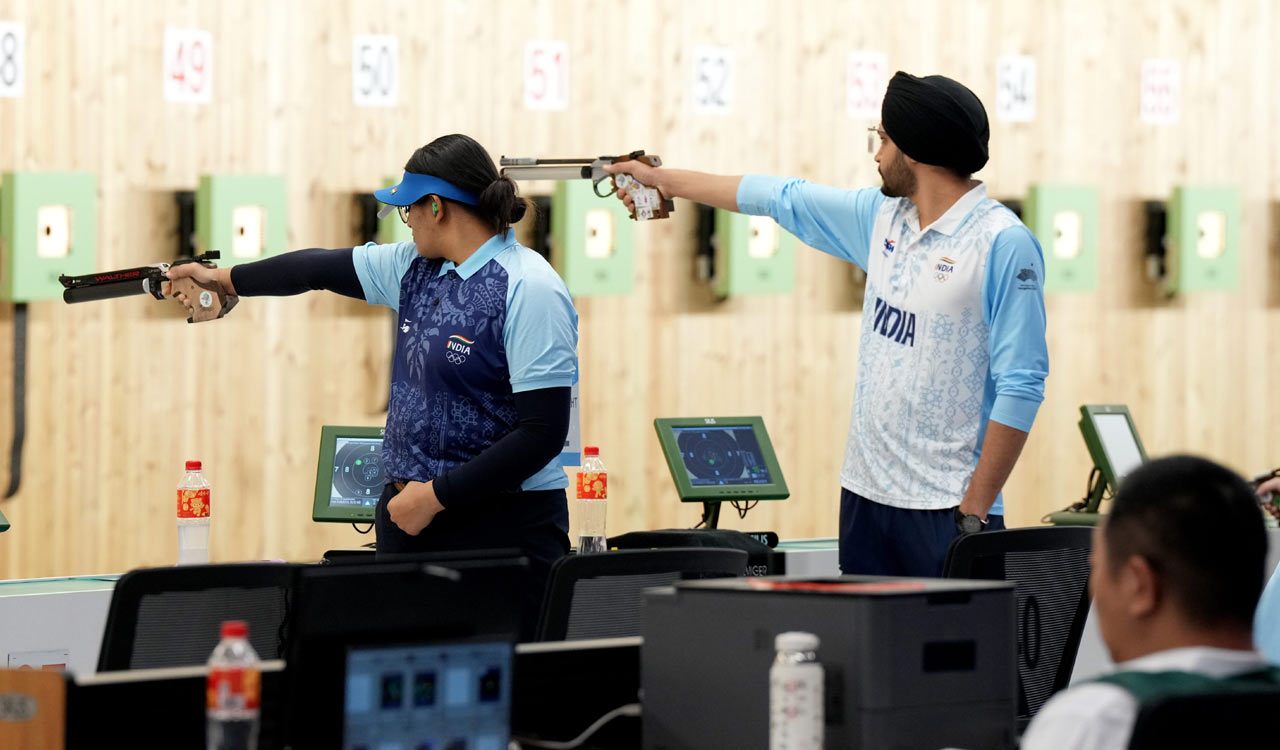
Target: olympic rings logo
<point>455,357</point>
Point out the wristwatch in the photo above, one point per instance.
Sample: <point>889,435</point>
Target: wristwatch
<point>969,523</point>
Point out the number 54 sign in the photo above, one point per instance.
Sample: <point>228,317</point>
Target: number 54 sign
<point>188,65</point>
<point>1016,88</point>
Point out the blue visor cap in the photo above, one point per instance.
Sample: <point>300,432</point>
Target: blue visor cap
<point>415,186</point>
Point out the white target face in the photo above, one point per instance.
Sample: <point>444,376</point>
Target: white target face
<point>358,470</point>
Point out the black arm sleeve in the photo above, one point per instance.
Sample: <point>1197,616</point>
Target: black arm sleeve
<point>538,438</point>
<point>297,272</point>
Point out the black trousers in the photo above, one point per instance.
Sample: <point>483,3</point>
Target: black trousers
<point>881,540</point>
<point>535,522</point>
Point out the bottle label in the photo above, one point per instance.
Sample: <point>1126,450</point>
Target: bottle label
<point>233,689</point>
<point>593,485</point>
<point>795,707</point>
<point>193,503</point>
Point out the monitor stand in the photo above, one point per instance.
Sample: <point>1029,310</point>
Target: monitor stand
<point>710,514</point>
<point>711,517</point>
<point>349,554</point>
<point>1086,513</point>
<point>1074,518</point>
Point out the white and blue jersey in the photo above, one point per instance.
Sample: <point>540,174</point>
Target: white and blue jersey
<point>953,331</point>
<point>469,336</point>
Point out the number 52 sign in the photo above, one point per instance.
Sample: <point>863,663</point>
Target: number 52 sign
<point>188,65</point>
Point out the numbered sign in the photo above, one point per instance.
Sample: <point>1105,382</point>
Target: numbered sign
<point>713,80</point>
<point>13,47</point>
<point>1016,88</point>
<point>188,65</point>
<point>375,71</point>
<point>1161,92</point>
<point>546,76</point>
<point>866,79</point>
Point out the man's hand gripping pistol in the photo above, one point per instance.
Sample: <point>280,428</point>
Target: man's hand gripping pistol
<point>649,203</point>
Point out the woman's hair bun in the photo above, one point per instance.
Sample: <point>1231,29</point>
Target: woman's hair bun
<point>502,202</point>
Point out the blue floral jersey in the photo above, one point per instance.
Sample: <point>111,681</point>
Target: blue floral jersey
<point>468,337</point>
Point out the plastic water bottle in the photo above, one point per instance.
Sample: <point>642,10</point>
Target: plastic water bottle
<point>193,516</point>
<point>233,691</point>
<point>795,694</point>
<point>593,497</point>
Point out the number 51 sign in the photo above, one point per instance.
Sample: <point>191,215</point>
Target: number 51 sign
<point>188,65</point>
<point>546,75</point>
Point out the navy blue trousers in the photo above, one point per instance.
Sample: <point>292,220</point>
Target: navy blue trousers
<point>881,540</point>
<point>534,521</point>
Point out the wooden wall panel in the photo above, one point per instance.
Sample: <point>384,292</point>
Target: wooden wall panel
<point>120,393</point>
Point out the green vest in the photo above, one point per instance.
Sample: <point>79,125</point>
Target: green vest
<point>1151,686</point>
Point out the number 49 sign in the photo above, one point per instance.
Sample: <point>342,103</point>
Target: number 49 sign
<point>188,65</point>
<point>12,54</point>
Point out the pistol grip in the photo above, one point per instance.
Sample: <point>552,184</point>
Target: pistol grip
<point>206,303</point>
<point>649,202</point>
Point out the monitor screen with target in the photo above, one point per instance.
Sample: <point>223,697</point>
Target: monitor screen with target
<point>721,458</point>
<point>349,474</point>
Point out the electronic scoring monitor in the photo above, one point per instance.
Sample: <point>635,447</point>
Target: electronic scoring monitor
<point>721,459</point>
<point>1112,440</point>
<point>349,474</point>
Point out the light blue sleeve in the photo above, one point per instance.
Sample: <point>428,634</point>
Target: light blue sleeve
<point>380,268</point>
<point>1266,621</point>
<point>835,221</point>
<point>1013,309</point>
<point>541,331</point>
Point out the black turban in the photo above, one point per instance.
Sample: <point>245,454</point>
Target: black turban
<point>936,120</point>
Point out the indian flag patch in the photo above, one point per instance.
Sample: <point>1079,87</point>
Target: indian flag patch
<point>457,349</point>
<point>944,269</point>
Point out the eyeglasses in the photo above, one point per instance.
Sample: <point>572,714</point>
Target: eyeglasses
<point>875,138</point>
<point>404,213</point>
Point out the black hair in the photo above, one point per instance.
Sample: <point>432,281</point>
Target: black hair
<point>1199,526</point>
<point>462,161</point>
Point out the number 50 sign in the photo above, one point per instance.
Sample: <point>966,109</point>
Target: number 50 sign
<point>374,76</point>
<point>188,65</point>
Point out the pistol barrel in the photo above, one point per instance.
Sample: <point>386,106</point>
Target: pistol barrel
<point>548,172</point>
<point>108,290</point>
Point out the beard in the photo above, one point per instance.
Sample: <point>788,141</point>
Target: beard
<point>899,180</point>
